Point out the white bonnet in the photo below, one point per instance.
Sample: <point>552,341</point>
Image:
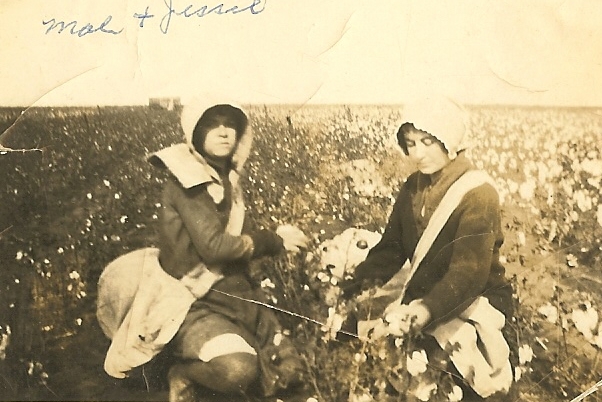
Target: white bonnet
<point>439,116</point>
<point>194,109</point>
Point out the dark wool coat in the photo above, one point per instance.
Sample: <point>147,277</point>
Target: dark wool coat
<point>193,230</point>
<point>463,261</point>
<point>197,206</point>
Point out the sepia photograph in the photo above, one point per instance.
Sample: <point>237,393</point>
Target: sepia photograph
<point>301,201</point>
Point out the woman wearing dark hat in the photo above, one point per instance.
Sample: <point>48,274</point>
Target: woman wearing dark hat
<point>194,292</point>
<point>204,245</point>
<point>439,254</point>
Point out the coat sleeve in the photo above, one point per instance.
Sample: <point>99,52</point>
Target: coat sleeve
<point>386,257</point>
<point>199,215</point>
<point>471,258</point>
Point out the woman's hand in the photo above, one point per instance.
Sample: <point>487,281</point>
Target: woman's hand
<point>293,238</point>
<point>405,318</point>
<point>200,280</point>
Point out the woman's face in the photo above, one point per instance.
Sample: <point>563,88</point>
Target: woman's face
<point>426,151</point>
<point>220,140</point>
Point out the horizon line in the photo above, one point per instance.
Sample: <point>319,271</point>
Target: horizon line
<point>292,104</point>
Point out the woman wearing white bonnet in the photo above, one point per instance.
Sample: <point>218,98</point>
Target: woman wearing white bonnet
<point>222,342</point>
<point>198,295</point>
<point>439,254</point>
<point>439,116</point>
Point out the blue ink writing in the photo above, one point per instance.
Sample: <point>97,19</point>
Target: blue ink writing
<point>84,30</point>
<point>142,17</point>
<point>202,11</point>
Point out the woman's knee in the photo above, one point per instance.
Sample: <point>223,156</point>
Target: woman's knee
<point>235,372</point>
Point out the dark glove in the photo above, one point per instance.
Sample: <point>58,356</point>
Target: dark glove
<point>267,243</point>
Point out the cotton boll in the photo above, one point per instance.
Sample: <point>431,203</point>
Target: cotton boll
<point>550,312</point>
<point>424,391</point>
<point>585,319</point>
<point>417,362</point>
<point>456,394</point>
<point>525,354</point>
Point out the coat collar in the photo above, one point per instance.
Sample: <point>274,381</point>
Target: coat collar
<point>189,169</point>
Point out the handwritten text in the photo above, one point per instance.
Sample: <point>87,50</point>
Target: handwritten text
<point>86,29</point>
<point>171,11</point>
<point>256,7</point>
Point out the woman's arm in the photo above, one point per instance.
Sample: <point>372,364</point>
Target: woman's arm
<point>387,257</point>
<point>199,215</point>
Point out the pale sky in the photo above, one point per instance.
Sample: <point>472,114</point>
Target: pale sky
<point>298,51</point>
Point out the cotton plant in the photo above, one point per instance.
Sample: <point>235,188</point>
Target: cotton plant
<point>412,377</point>
<point>556,168</point>
<point>417,362</point>
<point>585,318</point>
<point>549,312</point>
<point>333,324</point>
<point>456,394</point>
<point>5,335</point>
<point>338,258</point>
<point>412,372</point>
<point>361,397</point>
<point>428,380</point>
<point>525,357</point>
<point>390,347</point>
